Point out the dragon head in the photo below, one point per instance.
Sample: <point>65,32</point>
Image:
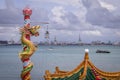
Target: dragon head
<point>30,30</point>
<point>34,30</point>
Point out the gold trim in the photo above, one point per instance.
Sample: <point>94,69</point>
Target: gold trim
<point>84,64</point>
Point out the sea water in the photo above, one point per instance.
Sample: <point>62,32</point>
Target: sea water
<point>48,57</point>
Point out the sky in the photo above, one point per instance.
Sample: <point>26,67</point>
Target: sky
<point>93,20</point>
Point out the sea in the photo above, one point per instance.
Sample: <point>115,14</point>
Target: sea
<point>48,57</point>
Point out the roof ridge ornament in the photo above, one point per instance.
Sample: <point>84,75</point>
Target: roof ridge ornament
<point>86,54</point>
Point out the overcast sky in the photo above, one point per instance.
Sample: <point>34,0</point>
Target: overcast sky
<point>92,19</point>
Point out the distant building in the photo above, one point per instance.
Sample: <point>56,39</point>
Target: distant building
<point>3,42</point>
<point>116,43</point>
<point>55,41</point>
<point>109,43</point>
<point>11,41</point>
<point>97,42</point>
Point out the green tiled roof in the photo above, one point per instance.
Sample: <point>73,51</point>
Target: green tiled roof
<point>89,76</point>
<point>85,71</point>
<point>73,77</point>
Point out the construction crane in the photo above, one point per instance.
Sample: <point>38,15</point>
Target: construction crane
<point>47,35</point>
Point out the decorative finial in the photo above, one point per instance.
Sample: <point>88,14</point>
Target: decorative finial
<point>86,54</point>
<point>27,11</point>
<point>86,50</point>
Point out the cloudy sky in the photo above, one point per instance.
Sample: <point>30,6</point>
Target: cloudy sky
<point>92,19</point>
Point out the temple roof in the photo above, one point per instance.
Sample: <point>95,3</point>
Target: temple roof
<point>86,70</point>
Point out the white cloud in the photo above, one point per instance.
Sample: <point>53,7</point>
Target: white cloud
<point>94,33</point>
<point>74,3</point>
<point>67,19</point>
<point>9,29</point>
<point>64,32</point>
<point>8,33</point>
<point>81,12</point>
<point>118,33</point>
<point>108,6</point>
<point>58,13</point>
<point>100,16</point>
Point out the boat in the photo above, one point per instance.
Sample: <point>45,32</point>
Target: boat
<point>51,48</point>
<point>102,51</point>
<point>86,70</point>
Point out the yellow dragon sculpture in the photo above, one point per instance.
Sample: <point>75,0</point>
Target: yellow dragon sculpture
<point>28,50</point>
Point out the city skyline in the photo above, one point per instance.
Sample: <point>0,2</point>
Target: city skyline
<point>92,20</point>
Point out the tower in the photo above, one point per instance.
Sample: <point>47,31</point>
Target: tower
<point>47,36</point>
<point>55,40</point>
<point>79,41</point>
<point>79,38</point>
